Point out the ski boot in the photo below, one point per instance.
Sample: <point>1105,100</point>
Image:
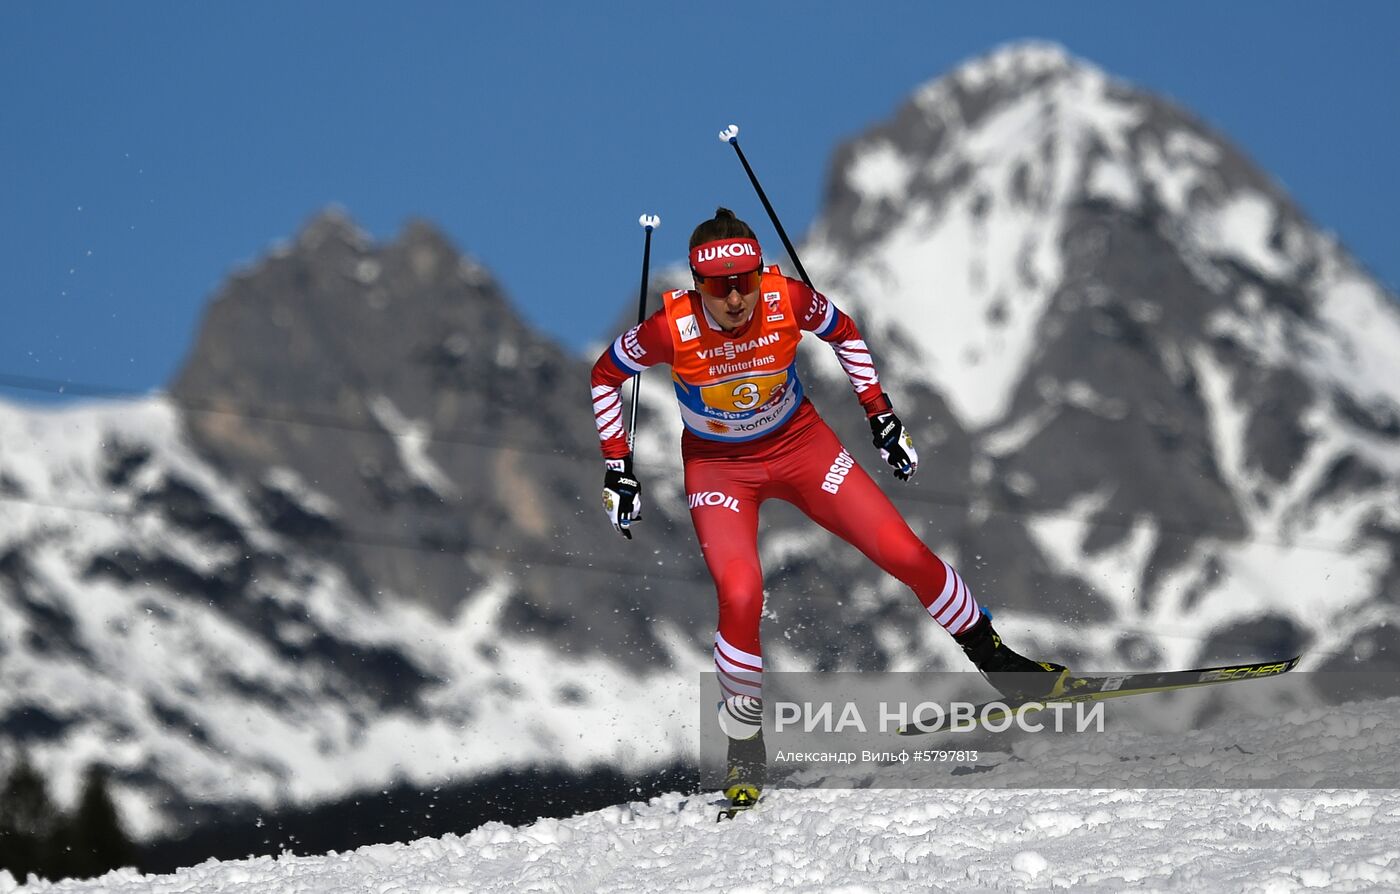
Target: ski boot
<point>748,770</point>
<point>1015,676</point>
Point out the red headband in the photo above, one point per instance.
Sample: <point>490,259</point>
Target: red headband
<point>726,257</point>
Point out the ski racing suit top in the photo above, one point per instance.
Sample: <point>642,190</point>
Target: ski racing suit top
<point>751,434</point>
<point>733,387</point>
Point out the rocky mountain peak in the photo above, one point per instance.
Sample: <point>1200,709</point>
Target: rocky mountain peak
<point>1016,66</point>
<point>398,382</point>
<point>336,311</point>
<point>1148,351</point>
<point>334,226</point>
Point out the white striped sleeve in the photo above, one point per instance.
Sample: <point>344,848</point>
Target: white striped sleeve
<point>856,361</point>
<point>607,411</point>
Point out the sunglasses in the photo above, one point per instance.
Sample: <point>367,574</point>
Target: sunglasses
<point>721,286</point>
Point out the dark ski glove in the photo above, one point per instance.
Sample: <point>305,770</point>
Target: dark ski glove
<point>896,447</point>
<point>622,495</point>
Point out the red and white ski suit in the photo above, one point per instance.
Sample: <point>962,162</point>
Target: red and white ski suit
<point>750,435</point>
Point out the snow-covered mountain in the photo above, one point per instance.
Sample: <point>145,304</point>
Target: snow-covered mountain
<point>959,837</point>
<point>319,566</point>
<point>165,623</point>
<point>1164,408</point>
<point>358,540</point>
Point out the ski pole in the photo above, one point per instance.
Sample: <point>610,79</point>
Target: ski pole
<point>649,222</point>
<point>730,135</point>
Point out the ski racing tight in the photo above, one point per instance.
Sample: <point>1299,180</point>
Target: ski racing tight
<point>805,465</point>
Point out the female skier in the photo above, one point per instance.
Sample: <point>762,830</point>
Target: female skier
<point>751,435</point>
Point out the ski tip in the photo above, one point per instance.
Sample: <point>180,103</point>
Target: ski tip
<point>733,810</point>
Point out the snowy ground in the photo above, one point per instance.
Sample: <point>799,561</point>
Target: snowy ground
<point>958,839</point>
<point>1269,841</point>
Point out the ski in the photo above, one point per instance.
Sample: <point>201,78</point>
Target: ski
<point>745,799</point>
<point>1106,686</point>
<point>728,813</point>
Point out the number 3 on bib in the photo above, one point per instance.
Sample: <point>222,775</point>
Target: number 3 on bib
<point>744,394</point>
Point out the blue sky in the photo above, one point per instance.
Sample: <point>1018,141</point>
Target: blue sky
<point>148,150</point>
